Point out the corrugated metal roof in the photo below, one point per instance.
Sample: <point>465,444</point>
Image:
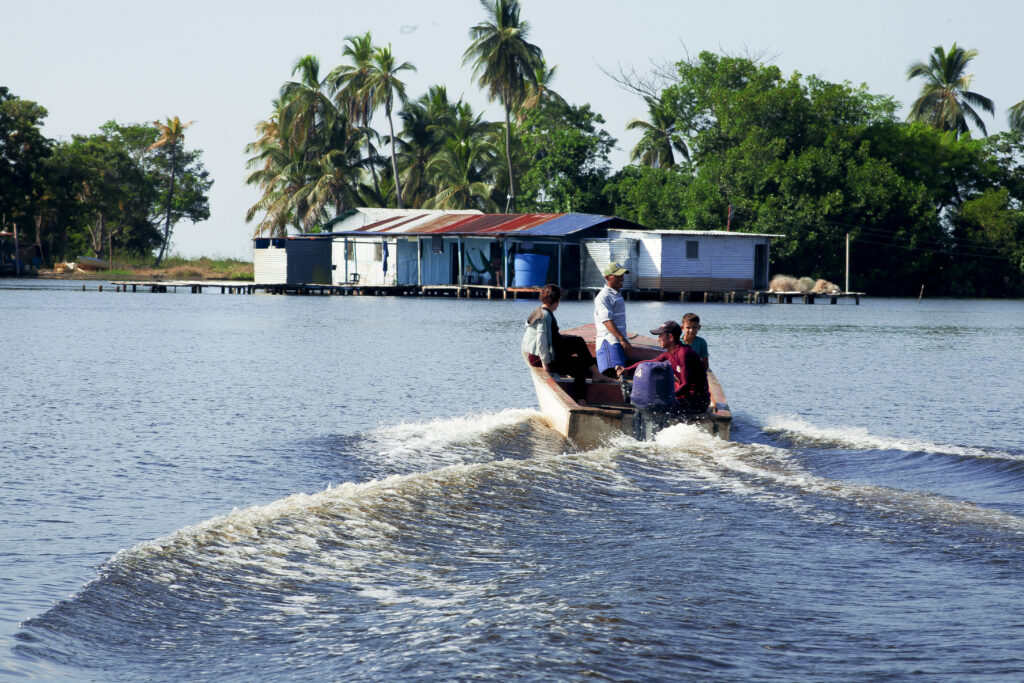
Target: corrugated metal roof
<point>703,233</point>
<point>492,222</point>
<point>441,223</point>
<point>461,223</point>
<point>525,222</point>
<point>389,224</point>
<point>568,223</point>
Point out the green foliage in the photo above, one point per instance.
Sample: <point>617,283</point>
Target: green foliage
<point>652,197</point>
<point>95,192</point>
<point>815,161</point>
<point>23,155</point>
<point>945,101</point>
<point>566,159</point>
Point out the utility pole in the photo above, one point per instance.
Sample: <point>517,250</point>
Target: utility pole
<point>17,253</point>
<point>847,262</point>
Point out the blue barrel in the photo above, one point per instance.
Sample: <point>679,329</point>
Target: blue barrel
<point>531,270</point>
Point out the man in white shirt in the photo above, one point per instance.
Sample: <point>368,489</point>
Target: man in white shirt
<point>611,343</point>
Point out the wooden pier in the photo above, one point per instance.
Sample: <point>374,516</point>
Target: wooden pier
<point>464,291</point>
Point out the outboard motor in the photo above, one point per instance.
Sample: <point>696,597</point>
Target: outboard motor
<point>653,394</point>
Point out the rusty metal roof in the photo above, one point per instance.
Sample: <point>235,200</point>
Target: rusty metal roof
<point>491,225</point>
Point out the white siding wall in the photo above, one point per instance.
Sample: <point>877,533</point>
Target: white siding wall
<point>269,266</point>
<point>725,262</point>
<point>648,265</point>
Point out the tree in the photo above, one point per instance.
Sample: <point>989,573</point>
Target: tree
<point>23,151</point>
<point>426,123</point>
<point>652,197</point>
<point>659,139</point>
<point>1016,117</point>
<point>566,159</point>
<point>348,82</point>
<point>381,86</point>
<point>538,89</point>
<point>462,170</point>
<point>172,136</point>
<point>810,159</point>
<point>946,102</point>
<point>503,61</point>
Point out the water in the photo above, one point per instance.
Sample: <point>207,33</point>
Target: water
<point>213,487</point>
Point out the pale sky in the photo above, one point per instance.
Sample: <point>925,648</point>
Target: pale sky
<point>221,63</point>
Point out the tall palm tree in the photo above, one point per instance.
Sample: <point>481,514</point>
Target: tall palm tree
<point>463,169</point>
<point>945,101</point>
<point>538,89</point>
<point>308,110</point>
<point>171,134</point>
<point>271,156</point>
<point>348,81</point>
<point>1016,117</point>
<point>381,86</point>
<point>422,137</point>
<point>503,62</point>
<point>659,139</point>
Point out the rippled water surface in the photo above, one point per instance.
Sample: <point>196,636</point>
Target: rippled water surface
<point>212,487</point>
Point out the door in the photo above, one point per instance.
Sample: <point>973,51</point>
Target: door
<point>760,266</point>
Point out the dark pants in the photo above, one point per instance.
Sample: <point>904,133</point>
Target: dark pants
<point>572,358</point>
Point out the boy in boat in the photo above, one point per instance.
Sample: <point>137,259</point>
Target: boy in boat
<point>610,342</point>
<point>691,326</point>
<point>564,354</point>
<point>691,385</point>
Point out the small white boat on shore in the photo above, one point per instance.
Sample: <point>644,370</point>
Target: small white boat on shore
<point>606,412</point>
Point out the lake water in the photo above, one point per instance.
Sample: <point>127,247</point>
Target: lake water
<point>212,487</point>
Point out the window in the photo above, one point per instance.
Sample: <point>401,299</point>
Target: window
<point>693,250</point>
<point>378,252</point>
<point>350,251</point>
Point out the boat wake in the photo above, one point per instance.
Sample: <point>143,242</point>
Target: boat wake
<point>800,433</point>
<point>474,511</point>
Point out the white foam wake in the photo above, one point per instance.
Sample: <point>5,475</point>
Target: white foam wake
<point>802,431</point>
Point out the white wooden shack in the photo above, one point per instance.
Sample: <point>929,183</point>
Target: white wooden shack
<point>681,260</point>
<point>292,260</point>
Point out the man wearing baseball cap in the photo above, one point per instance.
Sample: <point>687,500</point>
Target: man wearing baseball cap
<point>691,386</point>
<point>610,343</point>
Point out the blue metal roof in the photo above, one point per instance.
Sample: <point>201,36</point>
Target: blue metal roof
<point>567,224</point>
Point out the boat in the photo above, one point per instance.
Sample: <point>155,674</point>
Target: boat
<point>606,412</point>
<point>92,264</point>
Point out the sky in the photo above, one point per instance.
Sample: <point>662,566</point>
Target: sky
<point>220,62</point>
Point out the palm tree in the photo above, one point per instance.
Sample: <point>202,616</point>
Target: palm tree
<point>503,61</point>
<point>538,89</point>
<point>333,177</point>
<point>659,138</point>
<point>348,81</point>
<point>308,111</point>
<point>172,134</point>
<point>463,169</point>
<point>381,86</point>
<point>422,137</point>
<point>1016,117</point>
<point>946,101</point>
<point>271,155</point>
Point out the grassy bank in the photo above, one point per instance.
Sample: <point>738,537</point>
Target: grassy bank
<point>172,268</point>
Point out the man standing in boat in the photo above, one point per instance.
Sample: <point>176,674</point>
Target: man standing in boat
<point>610,341</point>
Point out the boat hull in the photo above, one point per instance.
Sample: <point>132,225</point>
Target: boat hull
<point>605,414</point>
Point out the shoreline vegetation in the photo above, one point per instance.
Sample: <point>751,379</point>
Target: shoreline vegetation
<point>172,268</point>
<point>726,142</point>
